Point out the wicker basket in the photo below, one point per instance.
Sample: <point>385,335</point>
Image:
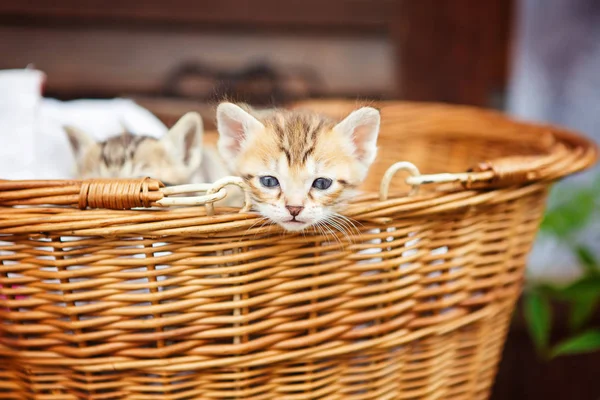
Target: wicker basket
<point>197,303</point>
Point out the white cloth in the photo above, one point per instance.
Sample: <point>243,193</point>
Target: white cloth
<point>34,144</point>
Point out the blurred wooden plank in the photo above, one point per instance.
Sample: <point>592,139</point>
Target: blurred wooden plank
<point>452,50</point>
<point>447,50</point>
<point>226,13</point>
<point>102,62</point>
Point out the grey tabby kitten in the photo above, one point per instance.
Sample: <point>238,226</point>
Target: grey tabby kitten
<point>177,158</point>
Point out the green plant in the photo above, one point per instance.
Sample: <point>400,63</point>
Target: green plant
<point>582,296</point>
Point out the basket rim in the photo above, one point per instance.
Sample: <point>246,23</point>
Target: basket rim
<point>569,152</point>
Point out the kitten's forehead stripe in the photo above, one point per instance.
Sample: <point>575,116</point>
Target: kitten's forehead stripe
<point>279,130</point>
<point>120,149</point>
<point>288,156</point>
<point>308,153</point>
<point>297,134</point>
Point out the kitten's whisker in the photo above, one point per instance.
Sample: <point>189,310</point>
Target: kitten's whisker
<point>339,228</point>
<point>347,227</point>
<point>326,224</point>
<point>353,229</point>
<point>259,220</point>
<point>350,220</point>
<point>282,234</point>
<point>321,232</point>
<point>265,222</point>
<point>304,233</point>
<point>350,228</point>
<point>337,238</point>
<point>324,233</point>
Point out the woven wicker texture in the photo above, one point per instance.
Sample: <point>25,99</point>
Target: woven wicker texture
<point>177,303</point>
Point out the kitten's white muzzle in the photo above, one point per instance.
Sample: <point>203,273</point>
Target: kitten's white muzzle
<point>294,226</point>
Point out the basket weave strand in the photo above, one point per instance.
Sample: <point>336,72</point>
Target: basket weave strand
<point>414,302</point>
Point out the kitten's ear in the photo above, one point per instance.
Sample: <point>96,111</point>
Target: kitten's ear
<point>235,125</point>
<point>362,127</point>
<point>79,140</point>
<point>184,140</point>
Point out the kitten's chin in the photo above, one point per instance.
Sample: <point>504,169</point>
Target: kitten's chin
<point>294,226</point>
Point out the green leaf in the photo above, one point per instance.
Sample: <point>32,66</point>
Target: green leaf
<point>571,215</point>
<point>538,317</point>
<point>551,291</point>
<point>581,311</point>
<point>587,259</point>
<point>584,288</point>
<point>587,342</point>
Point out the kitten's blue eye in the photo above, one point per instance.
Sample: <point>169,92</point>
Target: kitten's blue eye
<point>269,181</point>
<point>322,183</point>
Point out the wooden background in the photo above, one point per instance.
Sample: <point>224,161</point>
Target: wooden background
<point>441,50</point>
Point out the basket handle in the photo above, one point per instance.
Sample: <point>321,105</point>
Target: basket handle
<point>146,192</point>
<point>214,192</point>
<point>497,173</point>
<point>117,194</point>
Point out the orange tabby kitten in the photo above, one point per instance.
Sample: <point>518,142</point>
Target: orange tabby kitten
<point>301,167</point>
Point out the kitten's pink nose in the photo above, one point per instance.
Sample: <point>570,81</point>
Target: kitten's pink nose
<point>294,210</point>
